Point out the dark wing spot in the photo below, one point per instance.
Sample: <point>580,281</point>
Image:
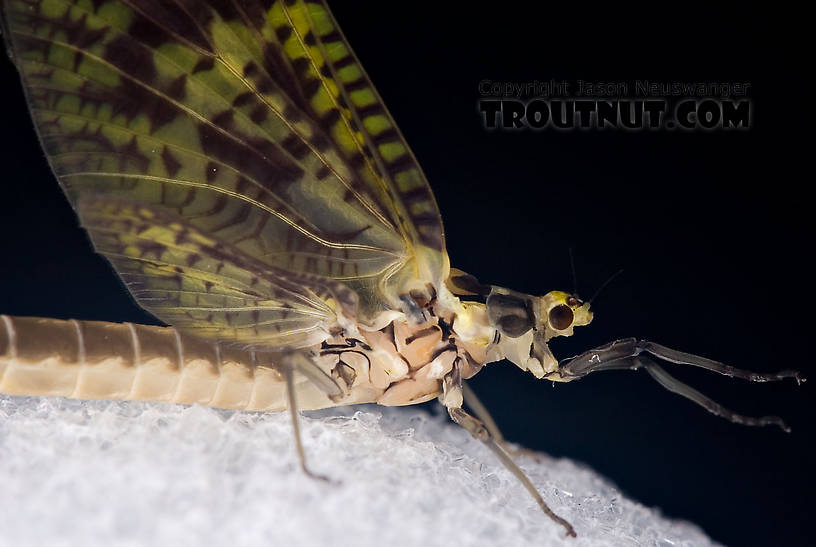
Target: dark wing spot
<point>204,64</point>
<point>171,164</point>
<point>177,89</point>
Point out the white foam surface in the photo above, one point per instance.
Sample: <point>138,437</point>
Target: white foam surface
<point>124,473</point>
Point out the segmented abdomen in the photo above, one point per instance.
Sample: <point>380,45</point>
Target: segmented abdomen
<point>102,360</point>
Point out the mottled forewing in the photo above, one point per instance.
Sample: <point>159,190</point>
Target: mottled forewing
<point>190,113</point>
<point>347,106</point>
<point>188,278</point>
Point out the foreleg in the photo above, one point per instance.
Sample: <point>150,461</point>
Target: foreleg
<point>632,354</point>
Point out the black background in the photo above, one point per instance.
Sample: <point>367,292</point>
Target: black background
<point>712,229</point>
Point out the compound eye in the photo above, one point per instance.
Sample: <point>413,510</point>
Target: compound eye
<point>561,317</point>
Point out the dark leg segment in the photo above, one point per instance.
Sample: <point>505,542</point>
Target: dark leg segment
<point>629,353</point>
<point>676,386</point>
<point>682,358</point>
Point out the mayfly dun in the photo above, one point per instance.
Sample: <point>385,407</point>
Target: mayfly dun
<point>236,166</point>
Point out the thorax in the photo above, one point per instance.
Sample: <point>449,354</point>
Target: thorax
<point>405,361</point>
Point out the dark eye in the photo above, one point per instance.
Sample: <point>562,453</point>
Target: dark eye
<point>561,317</point>
<point>573,302</point>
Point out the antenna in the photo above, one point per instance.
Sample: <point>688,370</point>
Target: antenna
<point>604,284</point>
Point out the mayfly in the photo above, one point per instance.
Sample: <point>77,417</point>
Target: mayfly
<point>233,162</point>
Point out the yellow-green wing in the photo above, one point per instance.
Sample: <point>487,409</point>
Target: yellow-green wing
<point>201,119</point>
<point>188,278</point>
<point>344,101</point>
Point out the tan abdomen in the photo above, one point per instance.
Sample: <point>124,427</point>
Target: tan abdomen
<point>101,360</point>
